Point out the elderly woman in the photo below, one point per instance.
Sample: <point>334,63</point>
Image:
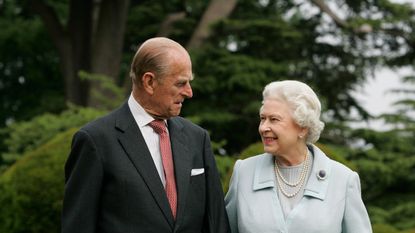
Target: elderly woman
<point>293,187</point>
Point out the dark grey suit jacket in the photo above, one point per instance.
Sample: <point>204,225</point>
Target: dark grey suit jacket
<point>112,184</point>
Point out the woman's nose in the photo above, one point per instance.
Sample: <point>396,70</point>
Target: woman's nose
<point>263,126</point>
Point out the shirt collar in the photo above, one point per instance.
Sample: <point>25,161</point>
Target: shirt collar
<point>140,115</point>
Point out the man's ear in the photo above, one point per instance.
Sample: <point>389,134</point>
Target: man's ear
<point>148,80</point>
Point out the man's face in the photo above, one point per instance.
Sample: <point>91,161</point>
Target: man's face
<point>171,90</point>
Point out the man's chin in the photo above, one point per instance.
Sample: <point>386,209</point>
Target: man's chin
<point>175,114</point>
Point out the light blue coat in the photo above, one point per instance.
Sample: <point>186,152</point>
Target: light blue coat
<point>329,205</point>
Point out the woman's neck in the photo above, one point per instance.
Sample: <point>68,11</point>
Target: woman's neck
<point>293,157</point>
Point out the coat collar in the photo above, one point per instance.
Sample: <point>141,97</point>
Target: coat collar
<point>319,176</point>
<point>264,175</point>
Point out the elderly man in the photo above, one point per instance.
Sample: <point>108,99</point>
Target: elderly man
<point>142,168</point>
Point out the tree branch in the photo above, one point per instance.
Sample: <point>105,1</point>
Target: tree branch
<point>362,29</point>
<point>167,25</point>
<point>217,10</point>
<point>326,9</point>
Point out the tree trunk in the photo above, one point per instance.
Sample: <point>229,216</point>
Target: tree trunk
<point>217,10</point>
<point>79,32</point>
<point>88,42</point>
<point>107,43</point>
<point>72,42</point>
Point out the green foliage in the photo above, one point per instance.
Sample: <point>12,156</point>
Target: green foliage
<point>252,150</point>
<point>388,163</point>
<point>403,119</point>
<point>220,111</point>
<point>28,135</point>
<point>254,47</point>
<point>149,13</point>
<point>384,228</point>
<point>109,95</point>
<point>337,153</point>
<point>386,166</point>
<point>30,81</point>
<point>396,210</point>
<point>402,216</point>
<point>225,167</point>
<point>32,189</point>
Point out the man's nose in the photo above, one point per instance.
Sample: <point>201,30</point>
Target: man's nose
<point>188,92</point>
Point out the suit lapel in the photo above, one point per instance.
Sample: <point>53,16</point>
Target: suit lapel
<point>182,163</point>
<point>131,139</point>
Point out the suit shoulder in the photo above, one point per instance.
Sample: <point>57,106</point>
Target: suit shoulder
<point>97,123</point>
<point>188,124</point>
<point>101,123</point>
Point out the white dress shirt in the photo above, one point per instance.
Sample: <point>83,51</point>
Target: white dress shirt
<point>150,137</point>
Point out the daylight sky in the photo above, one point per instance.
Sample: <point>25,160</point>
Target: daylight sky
<point>374,95</point>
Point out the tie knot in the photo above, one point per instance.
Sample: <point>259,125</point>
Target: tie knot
<point>158,126</point>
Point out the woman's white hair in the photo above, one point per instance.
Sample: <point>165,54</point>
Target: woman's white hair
<point>304,103</point>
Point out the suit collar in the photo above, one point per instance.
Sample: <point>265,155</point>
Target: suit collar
<point>264,175</point>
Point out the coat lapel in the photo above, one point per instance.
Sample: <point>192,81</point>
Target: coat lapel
<point>131,139</point>
<point>317,185</point>
<point>182,163</point>
<point>264,173</point>
<point>264,179</point>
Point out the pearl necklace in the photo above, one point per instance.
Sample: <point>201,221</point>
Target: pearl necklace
<point>299,183</point>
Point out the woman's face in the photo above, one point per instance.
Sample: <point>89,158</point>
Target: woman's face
<point>278,131</point>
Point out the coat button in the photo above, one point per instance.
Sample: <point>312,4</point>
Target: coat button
<point>321,175</point>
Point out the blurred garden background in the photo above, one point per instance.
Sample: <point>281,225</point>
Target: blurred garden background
<point>66,62</point>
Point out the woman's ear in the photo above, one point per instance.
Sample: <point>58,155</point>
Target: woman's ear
<point>148,79</point>
<point>303,133</point>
